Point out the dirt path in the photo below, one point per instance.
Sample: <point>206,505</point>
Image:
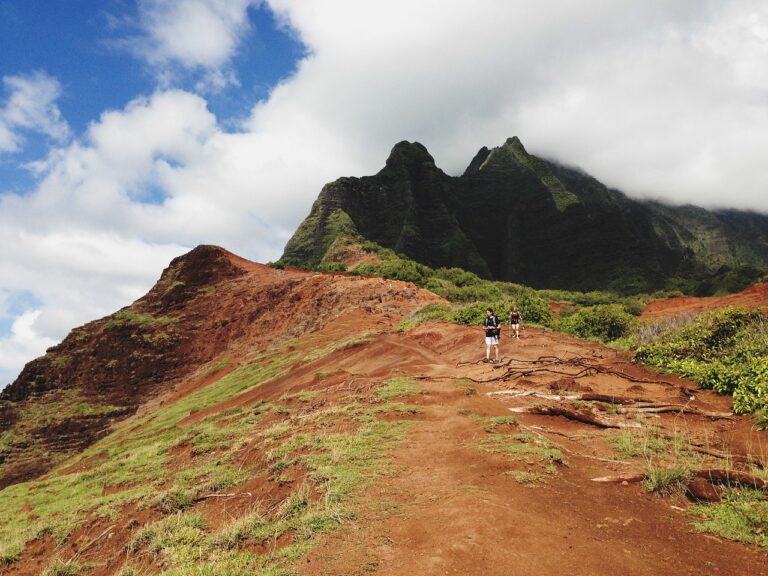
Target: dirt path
<point>455,509</point>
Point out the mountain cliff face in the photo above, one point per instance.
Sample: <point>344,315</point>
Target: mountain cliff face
<point>512,216</point>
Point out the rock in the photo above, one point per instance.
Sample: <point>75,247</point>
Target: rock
<point>701,490</point>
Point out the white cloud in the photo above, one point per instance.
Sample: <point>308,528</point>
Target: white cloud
<point>30,106</point>
<point>193,35</point>
<point>24,343</point>
<point>660,98</point>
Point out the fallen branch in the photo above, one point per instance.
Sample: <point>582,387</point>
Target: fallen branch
<point>625,407</point>
<point>585,418</point>
<point>230,495</point>
<point>677,408</point>
<point>713,476</point>
<point>620,478</point>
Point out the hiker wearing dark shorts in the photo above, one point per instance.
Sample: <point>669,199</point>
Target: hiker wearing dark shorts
<point>514,322</point>
<point>492,333</point>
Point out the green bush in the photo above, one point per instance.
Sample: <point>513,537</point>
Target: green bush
<point>331,267</point>
<point>533,308</point>
<point>605,322</point>
<point>726,351</point>
<point>433,311</point>
<point>458,276</point>
<point>475,313</point>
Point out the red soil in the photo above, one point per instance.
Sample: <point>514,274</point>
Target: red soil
<point>755,296</point>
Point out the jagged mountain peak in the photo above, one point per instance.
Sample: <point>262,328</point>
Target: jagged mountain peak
<point>517,217</point>
<point>409,156</point>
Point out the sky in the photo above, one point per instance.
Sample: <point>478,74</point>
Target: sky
<point>133,130</point>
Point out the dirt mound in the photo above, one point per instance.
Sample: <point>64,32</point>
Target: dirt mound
<point>207,304</point>
<point>756,296</point>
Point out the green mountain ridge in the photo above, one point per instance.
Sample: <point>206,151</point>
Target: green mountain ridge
<point>516,217</point>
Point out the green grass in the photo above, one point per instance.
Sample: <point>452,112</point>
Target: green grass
<point>137,459</point>
<point>667,480</point>
<point>530,479</point>
<point>492,423</point>
<point>742,515</point>
<point>645,442</point>
<point>525,447</point>
<point>61,568</point>
<point>338,466</point>
<point>397,387</point>
<point>129,317</point>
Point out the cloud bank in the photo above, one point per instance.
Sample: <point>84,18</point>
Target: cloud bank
<point>662,99</point>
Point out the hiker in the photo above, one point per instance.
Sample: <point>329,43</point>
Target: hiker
<point>514,322</point>
<point>492,333</point>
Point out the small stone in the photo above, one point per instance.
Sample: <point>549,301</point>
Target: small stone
<point>625,483</point>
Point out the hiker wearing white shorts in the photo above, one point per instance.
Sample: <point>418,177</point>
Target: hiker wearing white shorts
<point>492,333</point>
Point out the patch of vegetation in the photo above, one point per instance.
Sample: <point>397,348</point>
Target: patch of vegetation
<point>491,423</point>
<point>219,366</point>
<point>338,466</point>
<point>331,267</point>
<point>645,443</point>
<point>725,350</point>
<point>61,568</point>
<point>302,396</point>
<point>667,480</point>
<point>433,311</point>
<point>60,361</point>
<point>604,322</point>
<point>526,447</point>
<point>398,386</point>
<point>741,515</point>
<point>128,317</point>
<point>530,479</point>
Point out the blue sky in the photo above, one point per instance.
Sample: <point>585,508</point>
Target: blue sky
<point>133,130</point>
<point>80,43</point>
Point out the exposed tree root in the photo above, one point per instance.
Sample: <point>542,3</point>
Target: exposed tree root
<point>730,477</point>
<point>584,417</point>
<point>625,405</point>
<point>629,478</point>
<point>713,476</point>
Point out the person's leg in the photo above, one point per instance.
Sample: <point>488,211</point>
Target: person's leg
<point>487,350</point>
<point>496,347</point>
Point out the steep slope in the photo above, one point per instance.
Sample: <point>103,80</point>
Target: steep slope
<point>513,216</point>
<point>205,304</point>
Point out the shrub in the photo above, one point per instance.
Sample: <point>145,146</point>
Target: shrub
<point>533,308</point>
<point>666,481</point>
<point>332,267</point>
<point>433,311</point>
<point>605,322</point>
<point>458,276</point>
<point>726,351</point>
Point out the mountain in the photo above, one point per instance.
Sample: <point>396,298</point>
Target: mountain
<point>206,305</point>
<point>516,217</point>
